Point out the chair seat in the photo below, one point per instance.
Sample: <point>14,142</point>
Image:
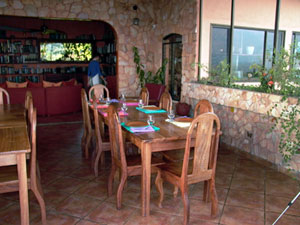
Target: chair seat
<point>176,155</point>
<point>176,167</point>
<point>136,161</point>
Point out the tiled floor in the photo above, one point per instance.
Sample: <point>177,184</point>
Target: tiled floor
<point>248,193</point>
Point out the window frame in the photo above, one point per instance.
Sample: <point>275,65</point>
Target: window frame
<point>212,25</point>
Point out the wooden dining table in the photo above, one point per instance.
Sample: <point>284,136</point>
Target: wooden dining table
<point>168,137</point>
<point>14,145</point>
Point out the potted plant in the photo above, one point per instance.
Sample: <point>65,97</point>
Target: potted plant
<point>149,76</point>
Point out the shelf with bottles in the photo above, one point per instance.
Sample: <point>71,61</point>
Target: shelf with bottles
<point>106,47</point>
<point>12,69</point>
<point>109,70</point>
<point>19,78</point>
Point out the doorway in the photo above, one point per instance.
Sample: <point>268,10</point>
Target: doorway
<point>172,50</point>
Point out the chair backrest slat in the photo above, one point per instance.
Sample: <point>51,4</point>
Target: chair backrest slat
<point>99,126</point>
<point>204,160</point>
<point>145,96</point>
<point>116,138</point>
<point>4,93</point>
<point>85,111</point>
<point>203,106</point>
<point>165,101</point>
<point>98,90</point>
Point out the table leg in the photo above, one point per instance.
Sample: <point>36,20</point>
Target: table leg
<point>146,178</point>
<point>23,188</point>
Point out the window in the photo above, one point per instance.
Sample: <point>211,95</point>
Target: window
<point>250,47</point>
<point>67,51</point>
<point>296,49</point>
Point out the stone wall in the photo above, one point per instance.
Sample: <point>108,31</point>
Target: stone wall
<point>244,121</point>
<point>157,19</point>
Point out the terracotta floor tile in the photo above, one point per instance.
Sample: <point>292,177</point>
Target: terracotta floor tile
<point>198,194</point>
<point>202,211</point>
<point>130,197</point>
<point>284,220</point>
<point>248,184</point>
<point>255,173</point>
<point>107,213</point>
<point>54,218</point>
<point>225,167</point>
<point>95,190</point>
<point>236,216</point>
<point>52,198</point>
<point>4,203</point>
<point>170,205</point>
<point>155,218</point>
<point>283,189</point>
<point>223,180</point>
<point>77,206</point>
<point>245,199</point>
<point>85,173</point>
<point>11,214</point>
<point>47,178</point>
<point>67,184</point>
<point>86,222</point>
<point>278,204</point>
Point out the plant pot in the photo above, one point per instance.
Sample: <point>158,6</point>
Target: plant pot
<point>183,109</point>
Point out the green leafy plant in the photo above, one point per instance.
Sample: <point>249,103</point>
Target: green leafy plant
<point>288,125</point>
<point>149,76</point>
<point>219,75</point>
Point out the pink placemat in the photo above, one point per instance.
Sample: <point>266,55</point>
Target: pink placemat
<point>121,113</point>
<point>132,103</point>
<point>100,106</point>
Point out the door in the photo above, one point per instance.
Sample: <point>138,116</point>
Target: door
<point>172,50</point>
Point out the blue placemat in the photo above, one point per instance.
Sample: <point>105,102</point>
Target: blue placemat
<point>128,128</point>
<point>147,111</point>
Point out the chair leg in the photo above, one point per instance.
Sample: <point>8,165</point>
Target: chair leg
<point>160,188</point>
<point>102,160</point>
<point>96,163</point>
<point>175,192</point>
<point>83,141</point>
<point>111,177</point>
<point>87,144</point>
<point>214,198</point>
<point>206,189</point>
<point>120,190</point>
<point>186,205</point>
<point>37,190</point>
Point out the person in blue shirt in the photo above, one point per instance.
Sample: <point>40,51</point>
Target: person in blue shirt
<point>95,75</point>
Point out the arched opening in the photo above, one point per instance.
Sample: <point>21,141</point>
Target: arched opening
<point>29,49</point>
<point>172,50</point>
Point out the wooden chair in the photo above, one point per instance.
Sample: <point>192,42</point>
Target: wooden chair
<point>28,102</point>
<point>87,126</point>
<point>201,168</point>
<point>130,165</point>
<point>165,101</point>
<point>144,95</point>
<point>4,93</point>
<point>9,176</point>
<point>203,106</point>
<point>98,90</point>
<point>102,143</point>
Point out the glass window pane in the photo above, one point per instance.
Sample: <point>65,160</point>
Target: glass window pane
<point>220,45</point>
<point>65,51</point>
<point>269,46</point>
<point>296,48</point>
<point>248,47</point>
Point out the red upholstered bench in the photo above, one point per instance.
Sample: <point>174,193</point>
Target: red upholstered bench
<point>155,91</point>
<point>50,100</point>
